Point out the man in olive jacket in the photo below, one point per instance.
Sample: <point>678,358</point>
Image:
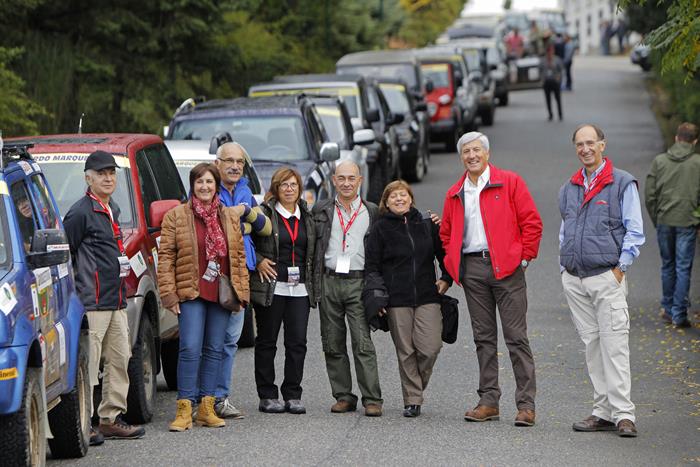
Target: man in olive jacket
<point>672,194</point>
<point>342,225</point>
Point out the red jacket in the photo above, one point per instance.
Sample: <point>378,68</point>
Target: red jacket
<point>512,224</point>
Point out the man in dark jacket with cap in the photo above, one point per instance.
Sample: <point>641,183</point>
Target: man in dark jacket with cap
<point>672,194</point>
<point>101,267</point>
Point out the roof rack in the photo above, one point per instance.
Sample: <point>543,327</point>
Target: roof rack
<point>15,152</point>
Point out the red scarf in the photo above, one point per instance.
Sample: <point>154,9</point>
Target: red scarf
<point>214,242</point>
<point>604,178</point>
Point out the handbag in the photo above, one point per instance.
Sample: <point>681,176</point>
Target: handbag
<point>449,307</point>
<point>227,296</point>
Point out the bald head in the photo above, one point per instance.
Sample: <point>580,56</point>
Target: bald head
<point>347,164</point>
<point>347,181</point>
<point>230,160</point>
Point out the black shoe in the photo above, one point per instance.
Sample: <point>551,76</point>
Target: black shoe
<point>271,406</point>
<point>683,324</point>
<point>411,411</point>
<point>96,437</point>
<point>295,406</point>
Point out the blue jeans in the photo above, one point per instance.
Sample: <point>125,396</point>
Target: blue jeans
<point>233,332</point>
<point>677,248</point>
<point>202,334</point>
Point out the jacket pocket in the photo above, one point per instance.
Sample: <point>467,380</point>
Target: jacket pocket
<point>619,316</point>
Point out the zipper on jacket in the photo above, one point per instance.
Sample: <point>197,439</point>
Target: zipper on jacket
<point>97,289</point>
<point>413,259</point>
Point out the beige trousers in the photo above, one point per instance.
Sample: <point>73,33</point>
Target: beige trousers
<point>109,339</point>
<point>417,335</point>
<point>599,310</point>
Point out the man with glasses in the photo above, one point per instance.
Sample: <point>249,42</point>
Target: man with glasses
<point>235,192</point>
<point>599,238</point>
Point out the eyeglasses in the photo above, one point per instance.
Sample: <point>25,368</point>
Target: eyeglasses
<point>586,144</point>
<point>232,161</point>
<point>289,186</point>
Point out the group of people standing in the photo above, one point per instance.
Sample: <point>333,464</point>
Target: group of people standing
<point>361,263</point>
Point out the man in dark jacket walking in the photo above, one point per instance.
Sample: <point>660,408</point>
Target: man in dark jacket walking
<point>101,267</point>
<point>342,225</point>
<point>672,193</point>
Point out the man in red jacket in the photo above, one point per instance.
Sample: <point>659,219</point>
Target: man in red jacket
<point>491,230</point>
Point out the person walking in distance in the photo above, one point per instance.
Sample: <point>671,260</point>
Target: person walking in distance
<point>672,194</point>
<point>101,268</point>
<point>599,238</point>
<point>491,231</point>
<point>342,226</point>
<point>552,68</point>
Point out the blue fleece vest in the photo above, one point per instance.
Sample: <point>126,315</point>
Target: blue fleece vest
<point>593,233</point>
<point>241,195</point>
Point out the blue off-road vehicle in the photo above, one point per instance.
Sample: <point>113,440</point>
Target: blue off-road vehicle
<point>44,392</point>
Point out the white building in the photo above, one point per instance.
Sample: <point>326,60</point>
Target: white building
<point>586,18</point>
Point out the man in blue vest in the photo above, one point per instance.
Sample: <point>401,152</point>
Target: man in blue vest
<point>599,238</point>
<point>235,192</point>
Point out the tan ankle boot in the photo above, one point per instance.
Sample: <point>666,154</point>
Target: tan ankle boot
<point>183,417</point>
<point>206,415</point>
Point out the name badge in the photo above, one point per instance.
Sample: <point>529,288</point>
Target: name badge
<point>124,266</point>
<point>342,266</point>
<point>293,275</point>
<point>212,271</point>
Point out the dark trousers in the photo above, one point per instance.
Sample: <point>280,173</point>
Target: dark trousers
<point>569,81</point>
<point>484,292</point>
<point>552,87</point>
<point>294,313</point>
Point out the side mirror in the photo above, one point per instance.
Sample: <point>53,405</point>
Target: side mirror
<point>166,130</point>
<point>219,139</point>
<point>157,212</point>
<point>49,248</point>
<point>458,79</point>
<point>330,152</point>
<point>364,137</point>
<point>373,115</point>
<point>396,118</point>
<point>421,107</point>
<point>429,86</point>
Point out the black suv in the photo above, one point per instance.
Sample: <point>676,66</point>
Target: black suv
<point>367,109</point>
<point>276,131</point>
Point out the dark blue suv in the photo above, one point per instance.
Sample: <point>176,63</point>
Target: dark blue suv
<point>43,331</point>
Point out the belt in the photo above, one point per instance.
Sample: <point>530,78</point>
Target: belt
<point>349,275</point>
<point>481,254</point>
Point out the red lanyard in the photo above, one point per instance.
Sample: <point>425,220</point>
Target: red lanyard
<point>292,235</point>
<point>342,222</point>
<point>115,227</point>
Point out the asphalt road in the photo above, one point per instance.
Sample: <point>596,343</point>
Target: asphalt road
<point>666,385</point>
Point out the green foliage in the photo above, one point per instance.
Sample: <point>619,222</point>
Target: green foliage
<point>426,19</point>
<point>17,111</point>
<point>684,93</point>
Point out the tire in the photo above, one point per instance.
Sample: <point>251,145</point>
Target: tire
<point>416,171</point>
<point>70,419</point>
<point>487,117</point>
<point>247,338</point>
<point>376,183</point>
<point>169,352</point>
<point>503,100</point>
<point>141,399</point>
<point>452,138</point>
<point>22,434</point>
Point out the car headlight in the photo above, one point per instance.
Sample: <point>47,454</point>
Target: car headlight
<point>432,108</point>
<point>310,197</point>
<point>444,99</point>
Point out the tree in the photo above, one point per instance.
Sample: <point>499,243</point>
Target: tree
<point>18,112</point>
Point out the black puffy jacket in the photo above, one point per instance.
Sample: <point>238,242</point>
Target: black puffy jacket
<point>403,249</point>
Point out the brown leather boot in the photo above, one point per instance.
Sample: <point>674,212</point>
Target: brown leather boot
<point>183,417</point>
<point>119,429</point>
<point>525,417</point>
<point>481,413</point>
<point>343,406</point>
<point>373,410</point>
<point>626,429</point>
<point>206,415</point>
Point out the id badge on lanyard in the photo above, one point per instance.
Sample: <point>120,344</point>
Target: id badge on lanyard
<point>293,271</point>
<point>124,266</point>
<point>212,271</point>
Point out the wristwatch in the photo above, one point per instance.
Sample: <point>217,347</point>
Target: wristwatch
<point>524,263</point>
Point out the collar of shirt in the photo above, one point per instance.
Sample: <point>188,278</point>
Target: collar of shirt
<point>353,205</point>
<point>587,180</point>
<point>286,214</point>
<point>481,182</point>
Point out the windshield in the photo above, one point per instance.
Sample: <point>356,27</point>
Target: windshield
<point>5,252</point>
<point>333,122</point>
<point>396,97</point>
<point>471,56</point>
<point>265,138</point>
<point>348,95</point>
<point>66,177</point>
<point>438,74</point>
<point>405,71</point>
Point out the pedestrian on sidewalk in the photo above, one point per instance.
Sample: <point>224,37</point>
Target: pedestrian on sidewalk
<point>491,231</point>
<point>552,70</point>
<point>672,194</point>
<point>283,291</point>
<point>200,241</point>
<point>234,191</point>
<point>342,226</point>
<point>569,51</point>
<point>401,252</point>
<point>599,238</point>
<point>101,268</point>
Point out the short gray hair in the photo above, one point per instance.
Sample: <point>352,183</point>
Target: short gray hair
<point>226,146</point>
<point>471,136</point>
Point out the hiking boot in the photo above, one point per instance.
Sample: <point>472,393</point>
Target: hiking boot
<point>206,415</point>
<point>373,410</point>
<point>96,437</point>
<point>481,413</point>
<point>183,416</point>
<point>343,406</point>
<point>119,429</point>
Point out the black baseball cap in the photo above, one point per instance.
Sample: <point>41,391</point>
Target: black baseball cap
<point>99,160</point>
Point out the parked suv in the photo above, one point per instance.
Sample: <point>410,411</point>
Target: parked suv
<point>43,331</point>
<point>277,131</point>
<point>147,185</point>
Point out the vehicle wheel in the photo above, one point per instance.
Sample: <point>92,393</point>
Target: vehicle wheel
<point>646,66</point>
<point>142,378</point>
<point>22,434</point>
<point>169,351</point>
<point>247,338</point>
<point>376,183</point>
<point>488,116</point>
<point>416,171</point>
<point>503,99</point>
<point>452,138</point>
<point>70,419</point>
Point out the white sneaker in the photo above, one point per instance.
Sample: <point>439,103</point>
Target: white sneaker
<point>225,409</point>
